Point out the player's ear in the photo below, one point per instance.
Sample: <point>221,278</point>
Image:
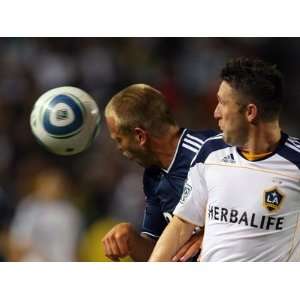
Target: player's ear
<point>252,113</point>
<point>140,135</point>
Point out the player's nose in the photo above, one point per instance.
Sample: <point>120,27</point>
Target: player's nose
<point>217,112</point>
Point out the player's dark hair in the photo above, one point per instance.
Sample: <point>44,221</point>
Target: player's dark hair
<point>140,105</point>
<point>259,81</point>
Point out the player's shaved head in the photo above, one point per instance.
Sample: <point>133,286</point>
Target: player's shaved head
<point>140,105</point>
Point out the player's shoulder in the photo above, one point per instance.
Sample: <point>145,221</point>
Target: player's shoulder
<point>202,135</point>
<point>192,141</point>
<point>189,144</point>
<point>290,149</point>
<point>210,145</point>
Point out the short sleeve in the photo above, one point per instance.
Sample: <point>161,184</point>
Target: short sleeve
<point>154,221</point>
<point>192,204</point>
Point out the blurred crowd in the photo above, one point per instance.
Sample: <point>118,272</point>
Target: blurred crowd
<point>58,208</point>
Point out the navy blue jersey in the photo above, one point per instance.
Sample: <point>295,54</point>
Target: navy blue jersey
<point>163,188</point>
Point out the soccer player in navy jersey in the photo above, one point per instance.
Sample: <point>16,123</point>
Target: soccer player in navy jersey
<point>141,124</point>
<point>245,185</point>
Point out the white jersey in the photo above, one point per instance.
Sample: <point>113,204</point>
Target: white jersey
<point>250,209</point>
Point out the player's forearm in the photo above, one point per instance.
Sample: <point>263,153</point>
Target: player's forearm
<point>141,248</point>
<point>173,237</point>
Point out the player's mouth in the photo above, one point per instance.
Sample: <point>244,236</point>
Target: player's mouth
<point>127,155</point>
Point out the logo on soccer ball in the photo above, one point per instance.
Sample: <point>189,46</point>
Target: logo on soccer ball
<point>61,114</point>
<point>273,199</point>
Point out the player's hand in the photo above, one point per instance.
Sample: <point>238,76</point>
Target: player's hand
<point>116,241</point>
<point>189,249</point>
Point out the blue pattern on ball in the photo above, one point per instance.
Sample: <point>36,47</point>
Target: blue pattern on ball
<point>65,130</point>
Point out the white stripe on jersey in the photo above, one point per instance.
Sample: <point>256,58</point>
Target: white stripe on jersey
<point>190,147</point>
<point>294,143</point>
<point>192,143</point>
<point>151,234</point>
<point>194,158</point>
<point>294,139</point>
<point>216,137</point>
<point>292,146</point>
<point>195,138</point>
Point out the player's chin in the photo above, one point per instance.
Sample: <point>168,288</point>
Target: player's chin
<point>140,163</point>
<point>131,158</point>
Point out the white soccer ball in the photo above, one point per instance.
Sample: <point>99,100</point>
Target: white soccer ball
<point>65,120</point>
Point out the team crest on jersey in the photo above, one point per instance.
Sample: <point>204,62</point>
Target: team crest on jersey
<point>273,199</point>
<point>186,192</point>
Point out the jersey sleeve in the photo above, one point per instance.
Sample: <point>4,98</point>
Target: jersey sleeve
<point>154,221</point>
<point>192,205</point>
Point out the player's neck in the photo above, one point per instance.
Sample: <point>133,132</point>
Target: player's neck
<point>166,145</point>
<point>263,138</point>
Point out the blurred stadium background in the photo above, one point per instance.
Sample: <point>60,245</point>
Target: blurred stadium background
<point>58,208</point>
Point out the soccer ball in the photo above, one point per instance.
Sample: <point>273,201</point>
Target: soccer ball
<point>65,120</point>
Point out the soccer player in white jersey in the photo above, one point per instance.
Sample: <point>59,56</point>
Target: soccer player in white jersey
<point>245,184</point>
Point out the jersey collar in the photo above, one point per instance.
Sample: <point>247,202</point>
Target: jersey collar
<point>175,154</point>
<point>281,143</point>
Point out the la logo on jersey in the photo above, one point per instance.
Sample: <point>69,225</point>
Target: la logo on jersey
<point>273,199</point>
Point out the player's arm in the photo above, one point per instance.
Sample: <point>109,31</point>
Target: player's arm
<point>142,248</point>
<point>191,248</point>
<point>123,240</point>
<point>175,235</point>
<point>190,207</point>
